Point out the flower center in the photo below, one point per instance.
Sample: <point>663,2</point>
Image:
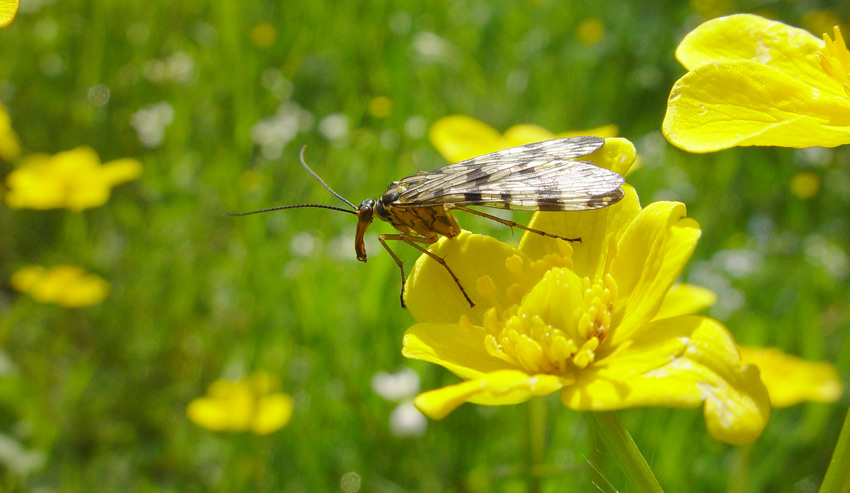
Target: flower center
<point>554,328</point>
<point>835,59</point>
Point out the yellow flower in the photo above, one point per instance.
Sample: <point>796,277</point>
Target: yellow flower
<point>582,318</point>
<point>380,106</point>
<point>805,184</point>
<point>250,404</point>
<point>8,10</point>
<point>460,137</point>
<point>791,380</point>
<point>64,285</point>
<point>74,179</point>
<point>10,145</point>
<point>753,81</point>
<point>263,35</point>
<point>589,32</point>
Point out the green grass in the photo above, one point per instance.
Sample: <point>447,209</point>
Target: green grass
<point>197,295</point>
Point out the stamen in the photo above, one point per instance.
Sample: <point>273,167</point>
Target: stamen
<point>586,354</point>
<point>530,338</point>
<point>491,322</point>
<point>487,289</point>
<point>565,247</point>
<point>834,58</point>
<point>514,265</point>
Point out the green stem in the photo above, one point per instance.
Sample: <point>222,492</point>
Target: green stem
<point>736,480</point>
<point>536,443</point>
<point>620,444</point>
<point>837,477</point>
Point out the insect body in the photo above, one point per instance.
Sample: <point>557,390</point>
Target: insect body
<point>539,177</point>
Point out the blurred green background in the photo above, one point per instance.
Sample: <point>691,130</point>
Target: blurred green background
<point>216,99</point>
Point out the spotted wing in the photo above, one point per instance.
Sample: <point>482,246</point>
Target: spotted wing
<point>539,176</point>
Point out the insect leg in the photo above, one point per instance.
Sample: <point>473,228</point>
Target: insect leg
<point>509,223</point>
<point>397,261</point>
<point>413,241</point>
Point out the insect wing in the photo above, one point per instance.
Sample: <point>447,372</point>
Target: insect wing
<point>537,176</point>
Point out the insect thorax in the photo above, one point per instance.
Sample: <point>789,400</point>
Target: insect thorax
<point>427,221</point>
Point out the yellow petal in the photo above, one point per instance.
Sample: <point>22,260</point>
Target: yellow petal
<point>90,194</point>
<point>460,137</point>
<point>618,155</point>
<point>679,362</point>
<point>73,179</point>
<point>121,170</point>
<point>64,285</point>
<point>8,9</point>
<point>649,257</point>
<point>458,348</point>
<point>432,296</point>
<point>792,380</point>
<point>763,41</point>
<point>767,108</point>
<point>524,133</point>
<point>208,413</point>
<point>605,131</point>
<point>596,229</point>
<point>273,413</point>
<point>497,388</point>
<point>685,299</point>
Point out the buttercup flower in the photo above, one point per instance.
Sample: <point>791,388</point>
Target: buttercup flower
<point>460,137</point>
<point>8,10</point>
<point>582,318</point>
<point>250,404</point>
<point>791,380</point>
<point>753,81</point>
<point>74,179</point>
<point>64,285</point>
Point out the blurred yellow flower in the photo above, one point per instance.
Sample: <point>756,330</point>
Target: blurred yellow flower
<point>753,81</point>
<point>74,179</point>
<point>590,32</point>
<point>582,318</point>
<point>805,184</point>
<point>8,10</point>
<point>459,137</point>
<point>263,35</point>
<point>64,285</point>
<point>249,404</point>
<point>10,145</point>
<point>380,106</point>
<point>791,380</point>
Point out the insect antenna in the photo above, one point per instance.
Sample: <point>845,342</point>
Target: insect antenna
<point>304,163</point>
<point>318,206</point>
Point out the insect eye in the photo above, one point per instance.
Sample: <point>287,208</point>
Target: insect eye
<point>364,211</point>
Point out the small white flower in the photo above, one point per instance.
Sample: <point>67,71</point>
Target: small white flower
<point>396,386</point>
<point>334,127</point>
<point>150,122</point>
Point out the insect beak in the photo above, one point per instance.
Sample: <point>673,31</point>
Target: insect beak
<point>364,219</point>
<point>359,245</point>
